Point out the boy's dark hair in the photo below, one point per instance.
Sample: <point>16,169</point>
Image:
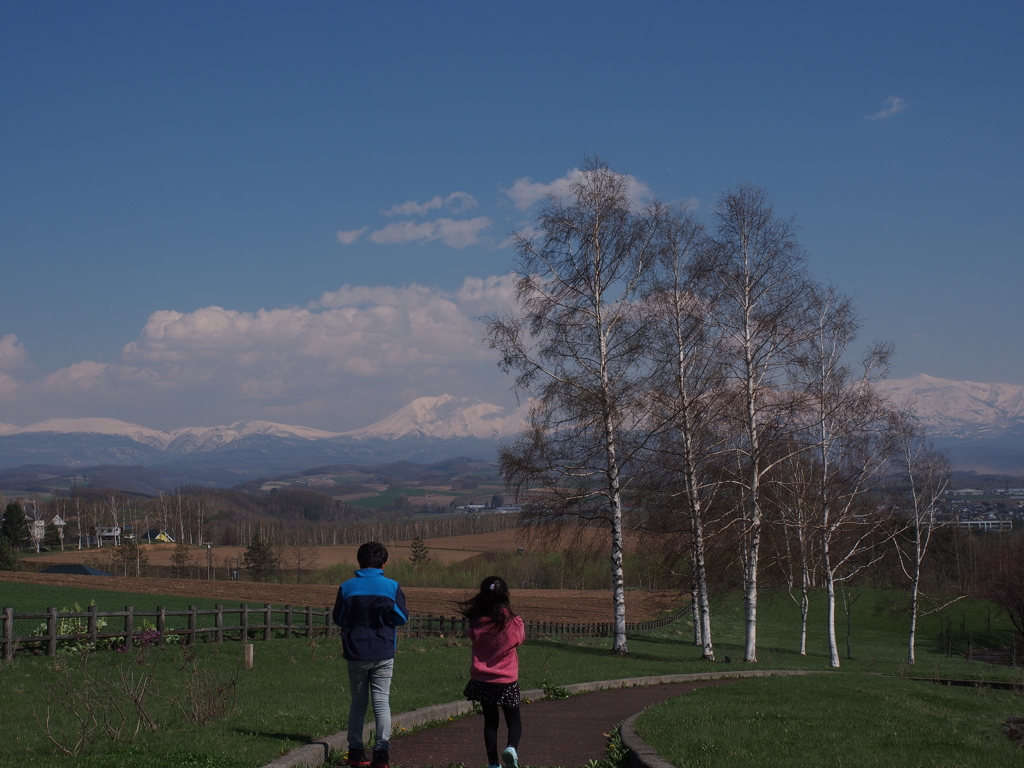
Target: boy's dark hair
<point>491,602</point>
<point>372,554</point>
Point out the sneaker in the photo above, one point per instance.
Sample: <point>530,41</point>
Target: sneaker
<point>380,759</point>
<point>509,758</point>
<point>357,758</point>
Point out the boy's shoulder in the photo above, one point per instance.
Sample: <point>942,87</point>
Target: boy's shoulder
<point>373,582</point>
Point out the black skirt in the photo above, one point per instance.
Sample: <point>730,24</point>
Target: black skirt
<point>499,694</point>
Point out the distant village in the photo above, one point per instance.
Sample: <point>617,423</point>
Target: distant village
<point>979,510</point>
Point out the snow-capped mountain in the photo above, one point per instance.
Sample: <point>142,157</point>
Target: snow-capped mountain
<point>428,429</point>
<point>184,440</point>
<point>447,417</point>
<point>964,409</point>
<point>154,438</point>
<point>981,426</point>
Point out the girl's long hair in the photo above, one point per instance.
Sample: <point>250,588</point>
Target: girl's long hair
<point>491,602</point>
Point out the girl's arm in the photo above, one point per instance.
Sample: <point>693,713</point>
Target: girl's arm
<point>518,630</point>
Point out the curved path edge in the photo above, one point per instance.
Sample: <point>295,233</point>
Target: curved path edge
<point>318,752</point>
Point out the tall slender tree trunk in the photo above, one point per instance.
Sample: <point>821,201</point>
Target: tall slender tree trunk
<point>805,606</point>
<point>914,587</point>
<point>618,580</point>
<point>697,639</point>
<point>830,592</point>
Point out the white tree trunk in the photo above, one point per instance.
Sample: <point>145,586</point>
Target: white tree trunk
<point>805,606</point>
<point>618,582</point>
<point>830,590</point>
<point>750,605</point>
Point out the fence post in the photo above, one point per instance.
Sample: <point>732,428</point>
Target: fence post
<point>287,621</point>
<point>243,622</point>
<point>161,623</point>
<point>129,626</point>
<point>191,624</point>
<point>267,619</point>
<point>94,623</point>
<point>8,633</point>
<point>218,622</point>
<point>309,623</point>
<point>51,631</point>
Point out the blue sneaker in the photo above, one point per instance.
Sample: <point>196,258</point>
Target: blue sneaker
<point>509,758</point>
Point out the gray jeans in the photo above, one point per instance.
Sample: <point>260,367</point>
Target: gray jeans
<point>370,679</point>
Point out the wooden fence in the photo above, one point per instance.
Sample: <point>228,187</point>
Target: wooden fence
<point>242,623</point>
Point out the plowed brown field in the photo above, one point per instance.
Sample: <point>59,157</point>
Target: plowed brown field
<point>532,604</point>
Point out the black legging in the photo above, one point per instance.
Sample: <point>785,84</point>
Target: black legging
<point>512,720</point>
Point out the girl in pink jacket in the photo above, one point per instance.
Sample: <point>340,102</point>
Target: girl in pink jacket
<point>494,674</point>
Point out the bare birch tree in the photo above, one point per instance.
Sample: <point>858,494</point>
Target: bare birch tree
<point>688,397</point>
<point>755,269</point>
<point>925,474</point>
<point>574,341</point>
<point>851,435</point>
<point>794,482</point>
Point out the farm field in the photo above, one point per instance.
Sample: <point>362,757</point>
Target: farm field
<point>532,604</point>
<point>448,550</point>
<point>160,554</point>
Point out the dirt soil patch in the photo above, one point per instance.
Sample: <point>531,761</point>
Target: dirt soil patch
<point>160,554</point>
<point>562,605</point>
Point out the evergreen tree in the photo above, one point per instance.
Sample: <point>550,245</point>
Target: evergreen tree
<point>14,526</point>
<point>260,558</point>
<point>8,557</point>
<point>181,560</point>
<point>51,536</point>
<point>419,555</point>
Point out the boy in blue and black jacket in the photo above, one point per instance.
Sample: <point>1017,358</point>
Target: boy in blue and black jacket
<point>368,609</point>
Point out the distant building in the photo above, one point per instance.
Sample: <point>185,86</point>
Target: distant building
<point>1000,526</point>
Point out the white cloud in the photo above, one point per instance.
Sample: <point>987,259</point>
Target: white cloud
<point>456,201</point>
<point>455,233</point>
<point>355,355</point>
<point>89,375</point>
<point>404,232</point>
<point>12,352</point>
<point>349,236</point>
<point>524,193</point>
<point>893,106</point>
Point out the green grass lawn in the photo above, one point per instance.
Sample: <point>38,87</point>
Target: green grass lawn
<point>36,598</point>
<point>825,720</point>
<point>298,690</point>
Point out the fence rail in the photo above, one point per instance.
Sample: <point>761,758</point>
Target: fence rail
<point>243,623</point>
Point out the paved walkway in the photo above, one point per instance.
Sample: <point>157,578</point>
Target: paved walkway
<point>567,732</point>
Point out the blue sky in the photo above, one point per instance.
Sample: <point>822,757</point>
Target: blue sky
<point>221,211</point>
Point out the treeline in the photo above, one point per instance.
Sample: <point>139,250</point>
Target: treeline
<point>195,515</point>
<point>694,370</point>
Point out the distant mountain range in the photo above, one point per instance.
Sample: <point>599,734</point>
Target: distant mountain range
<point>429,429</point>
<point>981,426</point>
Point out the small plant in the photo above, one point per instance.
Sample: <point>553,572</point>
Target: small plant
<point>554,691</point>
<point>93,706</point>
<point>206,696</point>
<point>77,628</point>
<point>615,753</point>
<point>1013,727</point>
